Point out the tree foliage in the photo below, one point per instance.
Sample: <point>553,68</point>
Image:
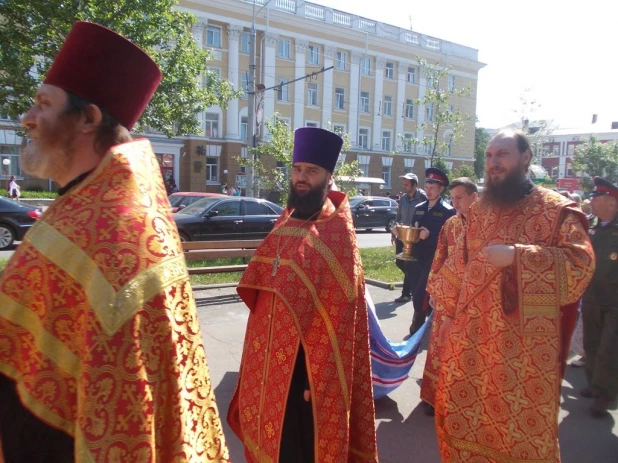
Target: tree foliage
<point>594,158</point>
<point>438,100</point>
<point>536,130</point>
<point>32,31</point>
<point>481,139</point>
<point>465,170</point>
<point>279,148</point>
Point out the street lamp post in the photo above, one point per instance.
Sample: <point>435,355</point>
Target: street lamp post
<point>251,136</point>
<point>7,163</point>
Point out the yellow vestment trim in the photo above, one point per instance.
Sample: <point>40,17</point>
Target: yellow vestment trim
<point>323,313</point>
<point>112,308</point>
<point>494,455</point>
<point>49,345</point>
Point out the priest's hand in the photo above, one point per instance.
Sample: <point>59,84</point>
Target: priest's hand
<point>307,395</point>
<point>444,329</point>
<point>500,255</point>
<point>424,234</point>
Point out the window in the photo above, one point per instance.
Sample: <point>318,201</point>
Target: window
<point>411,75</point>
<point>212,170</point>
<point>363,164</point>
<point>243,127</point>
<point>451,83</point>
<point>212,125</point>
<point>244,84</point>
<point>409,109</point>
<point>408,142</point>
<point>431,80</point>
<point>364,102</point>
<point>386,176</point>
<point>339,98</point>
<point>283,90</point>
<point>283,169</point>
<point>429,112</point>
<point>339,129</point>
<point>10,152</point>
<point>365,66</point>
<point>363,138</point>
<point>570,149</point>
<point>388,106</point>
<point>313,54</point>
<point>245,43</point>
<point>312,94</point>
<point>342,57</point>
<point>213,37</point>
<point>390,71</point>
<point>255,208</point>
<point>386,140</point>
<point>284,49</point>
<point>311,124</point>
<point>228,209</point>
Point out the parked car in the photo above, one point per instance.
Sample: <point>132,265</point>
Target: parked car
<point>371,212</point>
<point>181,200</point>
<point>227,218</point>
<point>15,220</point>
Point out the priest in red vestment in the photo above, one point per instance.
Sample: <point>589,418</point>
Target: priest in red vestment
<point>304,391</point>
<point>444,282</point>
<point>101,355</point>
<point>529,261</point>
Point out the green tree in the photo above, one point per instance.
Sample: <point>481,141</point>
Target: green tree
<point>32,31</point>
<point>278,150</point>
<point>465,170</point>
<point>594,158</point>
<point>441,115</point>
<point>481,139</point>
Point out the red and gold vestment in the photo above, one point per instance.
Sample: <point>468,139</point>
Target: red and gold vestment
<point>444,285</point>
<point>98,327</point>
<point>316,298</point>
<point>499,389</point>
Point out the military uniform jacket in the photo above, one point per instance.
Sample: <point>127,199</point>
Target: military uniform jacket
<point>433,220</point>
<point>602,288</point>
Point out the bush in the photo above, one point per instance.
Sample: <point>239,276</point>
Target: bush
<point>32,194</point>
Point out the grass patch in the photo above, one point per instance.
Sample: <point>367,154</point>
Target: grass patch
<point>379,264</point>
<point>37,194</point>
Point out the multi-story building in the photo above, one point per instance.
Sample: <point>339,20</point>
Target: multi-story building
<point>324,68</point>
<point>560,144</point>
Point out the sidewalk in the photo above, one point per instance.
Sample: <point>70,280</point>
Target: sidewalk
<point>404,433</point>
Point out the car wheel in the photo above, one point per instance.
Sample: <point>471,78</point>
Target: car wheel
<point>7,236</point>
<point>390,225</point>
<point>184,237</point>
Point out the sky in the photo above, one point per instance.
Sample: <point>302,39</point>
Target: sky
<point>561,54</point>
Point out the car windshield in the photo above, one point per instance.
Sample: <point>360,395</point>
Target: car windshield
<point>356,201</point>
<point>198,207</point>
<point>175,200</point>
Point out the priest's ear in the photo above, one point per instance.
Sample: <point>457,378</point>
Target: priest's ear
<point>91,119</point>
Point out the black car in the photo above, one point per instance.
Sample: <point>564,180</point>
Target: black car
<point>15,220</point>
<point>373,212</point>
<point>227,218</point>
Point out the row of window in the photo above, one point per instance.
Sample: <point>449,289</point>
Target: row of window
<point>213,39</point>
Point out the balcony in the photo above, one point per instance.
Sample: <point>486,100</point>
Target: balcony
<point>338,18</point>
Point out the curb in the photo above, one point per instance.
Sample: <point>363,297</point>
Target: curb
<point>369,281</point>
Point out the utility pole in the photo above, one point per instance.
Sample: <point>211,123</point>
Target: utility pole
<point>249,190</point>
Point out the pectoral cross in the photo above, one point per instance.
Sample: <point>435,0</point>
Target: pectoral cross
<point>276,264</point>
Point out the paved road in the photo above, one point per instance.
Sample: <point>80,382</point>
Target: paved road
<point>404,433</point>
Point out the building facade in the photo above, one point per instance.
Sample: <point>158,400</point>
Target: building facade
<point>559,147</point>
<point>319,67</point>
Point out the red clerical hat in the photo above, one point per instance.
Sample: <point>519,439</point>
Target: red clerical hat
<point>106,69</point>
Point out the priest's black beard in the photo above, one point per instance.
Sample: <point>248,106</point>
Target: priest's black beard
<point>311,202</point>
<point>507,192</point>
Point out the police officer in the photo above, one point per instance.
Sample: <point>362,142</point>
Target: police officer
<point>600,302</point>
<point>407,203</point>
<point>430,217</point>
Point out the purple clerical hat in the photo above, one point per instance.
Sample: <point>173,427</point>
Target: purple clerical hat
<point>317,146</point>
